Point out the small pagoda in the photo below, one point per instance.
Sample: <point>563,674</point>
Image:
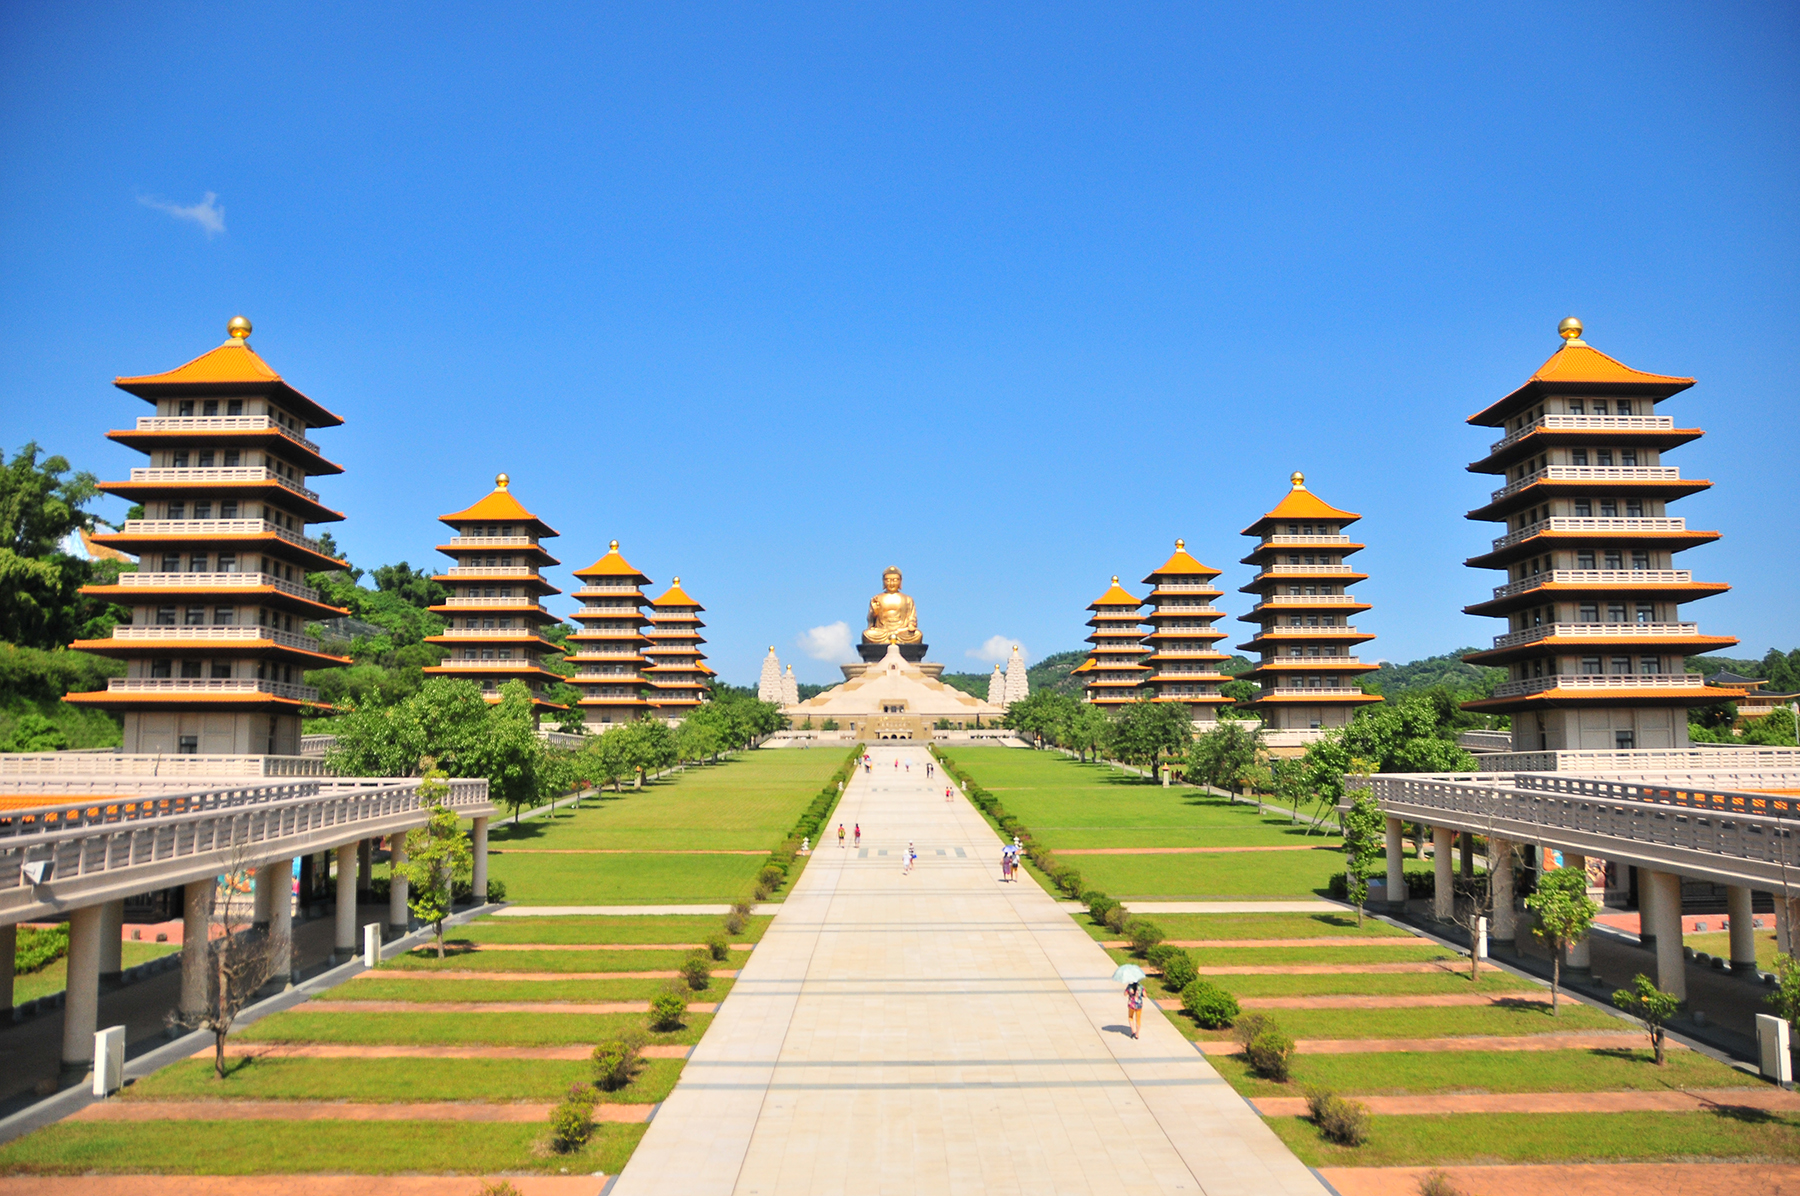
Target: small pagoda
<point>494,617</point>
<point>609,650</point>
<point>1114,674</point>
<point>1303,606</point>
<point>1184,660</point>
<point>1595,645</point>
<point>677,672</point>
<point>216,648</point>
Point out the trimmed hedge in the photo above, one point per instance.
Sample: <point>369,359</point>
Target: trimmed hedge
<point>817,815</point>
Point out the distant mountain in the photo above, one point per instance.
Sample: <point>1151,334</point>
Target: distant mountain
<point>1448,670</point>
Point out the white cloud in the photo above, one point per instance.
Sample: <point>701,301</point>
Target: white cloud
<point>207,213</point>
<point>996,649</point>
<point>830,643</point>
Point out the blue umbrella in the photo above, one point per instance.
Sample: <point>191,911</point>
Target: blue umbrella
<point>1128,973</point>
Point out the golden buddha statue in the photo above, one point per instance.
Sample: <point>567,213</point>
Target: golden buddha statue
<point>892,618</point>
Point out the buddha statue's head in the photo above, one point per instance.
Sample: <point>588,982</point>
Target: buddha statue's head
<point>890,579</point>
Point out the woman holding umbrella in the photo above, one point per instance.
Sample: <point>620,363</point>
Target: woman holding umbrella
<point>1132,977</point>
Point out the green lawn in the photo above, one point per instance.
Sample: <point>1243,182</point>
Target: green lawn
<point>1719,943</point>
<point>288,1147</point>
<point>1492,981</point>
<point>1222,957</point>
<point>550,961</point>
<point>1203,927</point>
<point>53,977</point>
<point>1233,876</point>
<point>1403,1072</point>
<point>462,1029</point>
<point>1722,1136</point>
<point>1443,1022</point>
<point>384,1081</point>
<point>749,803</point>
<point>641,928</point>
<point>628,879</point>
<point>501,989</point>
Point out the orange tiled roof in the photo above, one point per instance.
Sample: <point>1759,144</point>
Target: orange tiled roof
<point>1586,369</point>
<point>1180,564</point>
<point>500,505</point>
<point>1114,596</point>
<point>675,596</point>
<point>233,363</point>
<point>1301,503</point>
<point>614,567</point>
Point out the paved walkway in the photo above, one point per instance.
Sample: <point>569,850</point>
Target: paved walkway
<point>941,1032</point>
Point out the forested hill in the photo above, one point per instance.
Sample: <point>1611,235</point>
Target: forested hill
<point>1448,670</point>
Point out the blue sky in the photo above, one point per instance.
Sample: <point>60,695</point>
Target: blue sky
<point>1010,297</point>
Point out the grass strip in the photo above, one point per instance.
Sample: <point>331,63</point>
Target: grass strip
<point>1722,1136</point>
<point>634,928</point>
<point>625,879</point>
<point>466,960</point>
<point>386,1081</point>
<point>1406,951</point>
<point>1492,981</point>
<point>1258,926</point>
<point>500,989</point>
<point>1397,1073</point>
<point>1428,1022</point>
<point>1225,877</point>
<point>53,977</point>
<point>299,1148</point>
<point>459,1029</point>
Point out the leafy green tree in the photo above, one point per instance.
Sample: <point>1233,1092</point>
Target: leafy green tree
<point>1224,756</point>
<point>1238,691</point>
<point>1365,839</point>
<point>648,745</point>
<point>1786,997</point>
<point>1042,716</point>
<point>1088,729</point>
<point>1145,732</point>
<point>1565,914</point>
<point>1650,1005</point>
<point>437,855</point>
<point>41,505</point>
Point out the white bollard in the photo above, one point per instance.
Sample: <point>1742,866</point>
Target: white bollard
<point>1772,1047</point>
<point>371,944</point>
<point>1481,938</point>
<point>109,1060</point>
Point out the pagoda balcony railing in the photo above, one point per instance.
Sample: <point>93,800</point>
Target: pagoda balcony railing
<point>1282,540</point>
<point>590,654</point>
<point>1277,570</point>
<point>221,529</point>
<point>1308,600</point>
<point>515,663</point>
<point>498,603</point>
<point>245,634</point>
<point>1595,631</point>
<point>590,677</point>
<point>1594,526</point>
<point>1588,423</point>
<point>1183,587</point>
<point>492,542</point>
<point>603,591</point>
<point>236,473</point>
<point>215,581</point>
<point>1600,474</point>
<point>212,685</point>
<point>1322,660</point>
<point>1303,691</point>
<point>487,633</point>
<point>607,633</point>
<point>621,611</point>
<point>1596,577</point>
<point>220,423</point>
<point>512,572</point>
<point>1183,610</point>
<point>1282,631</point>
<point>1599,681</point>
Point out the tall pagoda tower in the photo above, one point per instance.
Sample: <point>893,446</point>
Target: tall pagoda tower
<point>1594,645</point>
<point>495,616</point>
<point>768,685</point>
<point>677,672</point>
<point>216,649</point>
<point>1303,605</point>
<point>1184,659</point>
<point>609,649</point>
<point>1114,675</point>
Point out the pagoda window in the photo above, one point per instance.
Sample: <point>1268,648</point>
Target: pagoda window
<point>178,459</point>
<point>228,509</point>
<point>1634,508</point>
<point>1312,591</point>
<point>1627,456</point>
<point>221,670</point>
<point>1293,591</point>
<point>1590,612</point>
<point>1599,406</point>
<point>171,564</point>
<point>203,510</point>
<point>1576,407</point>
<point>1293,529</point>
<point>1609,508</point>
<point>190,669</point>
<point>165,616</point>
<point>1613,559</point>
<point>1312,620</point>
<point>1294,558</point>
<point>162,668</point>
<point>232,457</point>
<point>1294,620</point>
<point>197,563</point>
<point>487,654</point>
<point>1578,457</point>
<point>1623,407</point>
<point>206,459</point>
<point>1602,456</point>
<point>1649,664</point>
<point>1584,508</point>
<point>1294,650</point>
<point>234,406</point>
<point>506,592</point>
<point>210,407</point>
<point>1590,665</point>
<point>506,562</point>
<point>1615,612</point>
<point>185,407</point>
<point>1621,665</point>
<point>195,616</point>
<point>1640,560</point>
<point>224,616</point>
<point>1646,613</point>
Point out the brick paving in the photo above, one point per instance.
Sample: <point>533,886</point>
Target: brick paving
<point>1579,1179</point>
<point>1767,1098</point>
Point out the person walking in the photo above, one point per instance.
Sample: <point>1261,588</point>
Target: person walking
<point>840,836</point>
<point>858,835</point>
<point>1134,1006</point>
<point>1005,865</point>
<point>948,792</point>
<point>911,855</point>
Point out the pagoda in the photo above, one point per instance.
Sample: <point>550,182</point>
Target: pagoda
<point>1184,660</point>
<point>494,617</point>
<point>677,672</point>
<point>1594,648</point>
<point>609,649</point>
<point>216,649</point>
<point>1113,673</point>
<point>1303,606</point>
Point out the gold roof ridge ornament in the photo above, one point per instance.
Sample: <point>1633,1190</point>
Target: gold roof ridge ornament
<point>1298,479</point>
<point>501,481</point>
<point>239,328</point>
<point>1570,331</point>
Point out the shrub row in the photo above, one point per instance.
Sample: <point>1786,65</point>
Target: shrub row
<point>39,948</point>
<point>1065,877</point>
<point>816,817</point>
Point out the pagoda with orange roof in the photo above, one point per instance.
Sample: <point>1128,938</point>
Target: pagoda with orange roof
<point>495,615</point>
<point>1303,606</point>
<point>1113,673</point>
<point>1595,646</point>
<point>217,649</point>
<point>677,672</point>
<point>609,649</point>
<point>1183,658</point>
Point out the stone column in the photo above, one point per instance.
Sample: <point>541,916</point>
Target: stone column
<point>1647,911</point>
<point>1468,853</point>
<point>9,947</point>
<point>1743,928</point>
<point>196,929</point>
<point>397,887</point>
<point>112,944</point>
<point>1506,919</point>
<point>365,867</point>
<point>281,920</point>
<point>262,898</point>
<point>1396,863</point>
<point>1579,959</point>
<point>1671,968</point>
<point>1443,902</point>
<point>343,942</point>
<point>81,1005</point>
<point>478,873</point>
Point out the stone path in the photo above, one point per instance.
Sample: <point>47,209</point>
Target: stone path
<point>1579,1179</point>
<point>1593,1040</point>
<point>493,1007</point>
<point>941,1032</point>
<point>1663,1101</point>
<point>324,1110</point>
<point>337,1050</point>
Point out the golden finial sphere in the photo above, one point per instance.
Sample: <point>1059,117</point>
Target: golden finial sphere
<point>239,328</point>
<point>1569,329</point>
<point>1299,480</point>
<point>677,581</point>
<point>1115,579</point>
<point>614,546</point>
<point>501,481</point>
<point>1180,545</point>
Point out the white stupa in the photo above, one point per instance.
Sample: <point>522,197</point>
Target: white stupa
<point>768,686</point>
<point>790,689</point>
<point>997,688</point>
<point>1016,685</point>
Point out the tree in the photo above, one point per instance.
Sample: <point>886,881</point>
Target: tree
<point>1650,1005</point>
<point>237,964</point>
<point>1565,914</point>
<point>1786,997</point>
<point>1145,731</point>
<point>1365,835</point>
<point>1087,730</point>
<point>1041,716</point>
<point>41,506</point>
<point>437,855</point>
<point>1223,756</point>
